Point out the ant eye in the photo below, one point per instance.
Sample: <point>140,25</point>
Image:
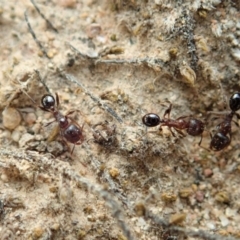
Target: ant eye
<point>234,102</point>
<point>151,120</point>
<point>48,101</point>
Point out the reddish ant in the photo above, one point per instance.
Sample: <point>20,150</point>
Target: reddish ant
<point>222,138</point>
<point>69,131</point>
<point>193,126</point>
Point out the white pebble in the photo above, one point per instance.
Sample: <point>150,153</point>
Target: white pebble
<point>224,221</point>
<point>26,137</point>
<point>236,54</point>
<point>17,133</point>
<point>211,226</point>
<point>11,118</point>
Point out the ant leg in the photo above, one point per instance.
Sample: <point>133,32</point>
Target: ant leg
<point>44,109</point>
<point>200,142</point>
<point>170,129</point>
<point>77,143</point>
<point>172,132</point>
<point>180,132</point>
<point>236,123</point>
<point>168,110</point>
<point>237,115</point>
<point>57,98</point>
<point>81,127</point>
<point>182,117</point>
<point>71,112</point>
<point>50,123</point>
<point>73,149</point>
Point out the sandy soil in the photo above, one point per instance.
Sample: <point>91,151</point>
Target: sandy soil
<point>112,62</point>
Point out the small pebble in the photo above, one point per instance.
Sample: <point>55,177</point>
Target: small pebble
<point>4,177</point>
<point>17,133</point>
<point>11,118</point>
<point>208,172</point>
<point>5,134</point>
<point>210,225</point>
<point>223,197</point>
<point>93,30</point>
<point>185,192</point>
<point>65,193</point>
<point>199,195</point>
<point>38,232</point>
<point>55,226</point>
<point>230,212</point>
<point>26,137</point>
<point>67,3</point>
<point>55,148</point>
<point>30,118</point>
<point>114,172</point>
<point>177,218</point>
<point>224,221</point>
<point>202,186</point>
<point>188,74</point>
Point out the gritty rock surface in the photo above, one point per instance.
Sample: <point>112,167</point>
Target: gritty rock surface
<point>129,58</point>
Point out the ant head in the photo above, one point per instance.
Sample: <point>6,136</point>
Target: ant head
<point>151,120</point>
<point>234,102</point>
<point>48,102</point>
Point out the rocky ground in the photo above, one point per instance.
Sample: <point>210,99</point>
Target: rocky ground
<point>111,62</point>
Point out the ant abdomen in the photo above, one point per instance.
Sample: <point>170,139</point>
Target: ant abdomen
<point>219,142</point>
<point>195,127</point>
<point>73,134</point>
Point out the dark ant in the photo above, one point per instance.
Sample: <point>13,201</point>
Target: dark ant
<point>69,131</point>
<point>222,138</point>
<point>193,126</point>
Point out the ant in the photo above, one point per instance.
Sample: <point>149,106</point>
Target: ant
<point>222,138</point>
<point>69,131</point>
<point>193,126</point>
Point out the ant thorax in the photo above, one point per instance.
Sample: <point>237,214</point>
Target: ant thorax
<point>61,119</point>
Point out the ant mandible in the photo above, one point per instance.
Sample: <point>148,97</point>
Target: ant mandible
<point>69,130</point>
<point>193,126</point>
<point>222,138</point>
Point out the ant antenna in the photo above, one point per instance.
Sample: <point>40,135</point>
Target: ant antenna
<point>43,16</point>
<point>41,80</point>
<point>34,35</point>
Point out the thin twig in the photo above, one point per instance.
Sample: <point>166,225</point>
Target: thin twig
<point>42,15</point>
<point>94,98</point>
<point>148,61</point>
<point>41,80</point>
<point>34,35</point>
